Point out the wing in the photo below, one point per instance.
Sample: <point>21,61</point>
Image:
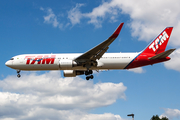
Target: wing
<point>98,51</point>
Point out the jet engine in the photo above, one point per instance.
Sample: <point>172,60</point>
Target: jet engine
<point>72,73</point>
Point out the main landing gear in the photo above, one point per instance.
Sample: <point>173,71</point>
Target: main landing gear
<point>18,73</point>
<point>89,75</point>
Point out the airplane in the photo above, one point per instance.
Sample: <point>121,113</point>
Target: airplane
<point>75,64</point>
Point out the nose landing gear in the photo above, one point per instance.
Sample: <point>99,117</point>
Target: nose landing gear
<point>18,73</point>
<point>88,74</point>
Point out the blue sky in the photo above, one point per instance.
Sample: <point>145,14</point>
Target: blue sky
<point>75,27</point>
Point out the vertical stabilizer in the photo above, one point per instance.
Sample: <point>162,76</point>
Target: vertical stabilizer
<point>160,43</point>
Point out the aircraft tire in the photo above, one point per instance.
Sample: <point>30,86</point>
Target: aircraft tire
<point>18,75</point>
<point>18,71</point>
<point>87,78</point>
<point>90,72</point>
<point>86,73</point>
<point>91,76</point>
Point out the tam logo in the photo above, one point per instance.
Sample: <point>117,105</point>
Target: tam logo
<point>159,41</point>
<point>40,59</point>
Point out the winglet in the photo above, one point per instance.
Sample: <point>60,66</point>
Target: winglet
<point>117,31</point>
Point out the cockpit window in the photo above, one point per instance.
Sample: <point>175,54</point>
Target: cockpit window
<point>12,59</point>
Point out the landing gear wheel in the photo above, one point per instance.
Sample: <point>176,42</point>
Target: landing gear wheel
<point>18,71</point>
<point>87,78</point>
<point>18,75</point>
<point>88,74</point>
<point>91,76</point>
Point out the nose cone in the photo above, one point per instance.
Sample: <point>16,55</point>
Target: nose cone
<point>8,63</point>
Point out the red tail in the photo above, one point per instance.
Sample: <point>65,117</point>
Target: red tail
<point>160,43</point>
<point>154,53</point>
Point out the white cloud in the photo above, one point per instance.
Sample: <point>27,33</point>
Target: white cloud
<point>171,113</point>
<point>41,8</point>
<point>97,15</point>
<point>174,63</point>
<point>148,18</point>
<point>51,18</point>
<point>137,70</point>
<point>106,116</point>
<point>75,15</point>
<point>31,96</point>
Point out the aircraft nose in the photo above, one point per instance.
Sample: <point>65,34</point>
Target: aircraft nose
<point>8,63</point>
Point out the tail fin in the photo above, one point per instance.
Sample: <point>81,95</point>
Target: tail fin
<point>160,43</point>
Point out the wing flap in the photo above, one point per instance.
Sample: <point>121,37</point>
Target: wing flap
<point>162,55</point>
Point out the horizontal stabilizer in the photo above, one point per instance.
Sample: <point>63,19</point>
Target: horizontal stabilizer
<point>162,55</point>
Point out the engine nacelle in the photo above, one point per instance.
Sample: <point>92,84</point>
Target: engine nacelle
<point>67,63</point>
<point>72,73</point>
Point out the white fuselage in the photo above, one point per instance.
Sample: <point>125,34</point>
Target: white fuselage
<point>95,58</point>
<point>53,61</point>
